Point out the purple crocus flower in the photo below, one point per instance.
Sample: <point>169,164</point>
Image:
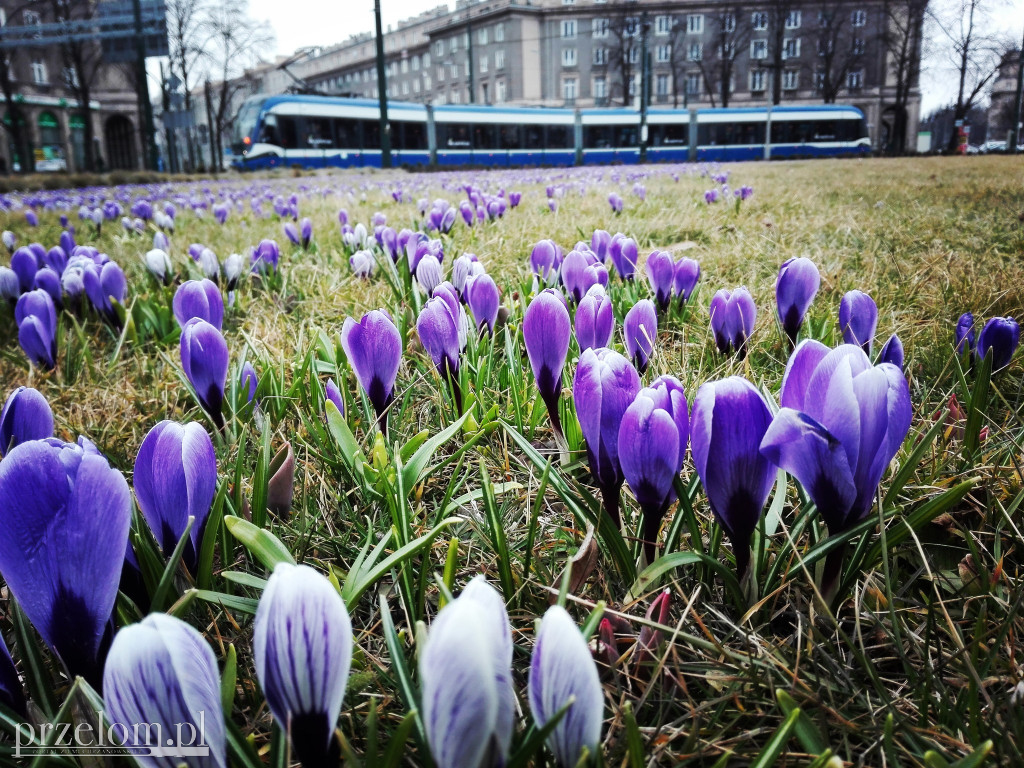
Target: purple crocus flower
<point>66,515</point>
<point>733,315</point>
<point>711,196</point>
<point>220,213</point>
<point>25,416</point>
<point>103,286</point>
<point>965,334</point>
<point>362,264</point>
<point>49,281</point>
<point>25,265</point>
<point>842,420</point>
<point>248,381</point>
<point>306,233</point>
<point>1001,337</point>
<point>640,329</point>
<point>605,385</point>
<point>204,358</point>
<point>616,202</point>
<point>199,298</point>
<point>600,241</point>
<point>302,648</point>
<point>649,440</point>
<point>175,478</point>
<point>438,329</point>
<point>447,292</point>
<point>31,218</point>
<point>57,258</point>
<point>595,320</point>
<point>514,198</point>
<point>467,212</point>
<point>373,346</point>
<point>795,288</point>
<point>729,420</point>
<point>892,352</point>
<point>483,299</point>
<point>265,257</point>
<point>544,258</point>
<point>661,274</point>
<point>158,263</point>
<point>579,272</point>
<point>9,240</point>
<point>429,274</point>
<point>469,704</point>
<point>858,317</point>
<point>291,232</point>
<point>36,317</point>
<point>623,252</point>
<point>562,671</point>
<point>10,287</point>
<point>333,394</point>
<point>160,242</point>
<point>546,331</point>
<point>161,671</point>
<point>389,243</point>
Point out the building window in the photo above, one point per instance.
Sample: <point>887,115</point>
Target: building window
<point>759,49</point>
<point>453,44</point>
<point>661,85</point>
<point>600,88</point>
<point>568,2</point>
<point>426,60</point>
<point>405,88</point>
<point>499,59</point>
<point>439,48</point>
<point>39,73</point>
<point>465,67</point>
<point>729,22</point>
<point>70,77</point>
<point>569,29</point>
<point>427,85</point>
<point>727,51</point>
<point>568,57</point>
<point>695,23</point>
<point>599,28</point>
<point>456,97</point>
<point>793,19</point>
<point>405,66</point>
<point>819,80</point>
<point>824,46</point>
<point>415,86</point>
<point>791,48</point>
<point>854,78</point>
<point>454,71</point>
<point>482,36</point>
<point>600,57</point>
<point>633,85</point>
<point>858,46</point>
<point>415,63</point>
<point>662,25</point>
<point>664,53</point>
<point>634,54</point>
<point>483,64</point>
<point>695,51</point>
<point>569,89</point>
<point>757,79</point>
<point>632,26</point>
<point>693,84</point>
<point>759,21</point>
<point>499,33</point>
<point>499,91</point>
<point>440,74</point>
<point>31,18</point>
<point>859,18</point>
<point>790,79</point>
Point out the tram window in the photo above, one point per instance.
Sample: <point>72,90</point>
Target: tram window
<point>508,137</point>
<point>670,135</point>
<point>371,134</point>
<point>533,137</point>
<point>731,134</point>
<point>597,136</point>
<point>485,136</point>
<point>318,133</point>
<point>269,133</point>
<point>410,135</point>
<point>625,136</point>
<point>346,133</point>
<point>560,137</point>
<point>288,132</point>
<point>454,136</point>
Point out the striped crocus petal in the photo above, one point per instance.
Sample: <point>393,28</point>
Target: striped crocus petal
<point>302,645</point>
<point>161,672</point>
<point>562,670</point>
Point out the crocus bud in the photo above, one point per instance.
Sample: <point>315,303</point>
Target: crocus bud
<point>160,242</point>
<point>616,202</point>
<point>373,346</point>
<point>543,258</point>
<point>965,334</point>
<point>291,232</point>
<point>466,681</point>
<point>595,320</point>
<point>161,671</point>
<point>232,268</point>
<point>103,286</point>
<point>623,251</point>
<point>483,298</point>
<point>25,416</point>
<point>248,381</point>
<point>209,265</point>
<point>49,281</point>
<point>204,358</point>
<point>892,352</point>
<point>159,265</point>
<point>9,240</point>
<point>563,671</point>
<point>66,514</point>
<point>661,274</point>
<point>10,287</point>
<point>438,329</point>
<point>795,288</point>
<point>858,316</point>
<point>25,265</point>
<point>546,331</point>
<point>36,317</point>
<point>302,647</point>
<point>333,394</point>
<point>57,257</point>
<point>176,478</point>
<point>31,218</point>
<point>599,243</point>
<point>733,315</point>
<point>729,421</point>
<point>199,298</point>
<point>429,274</point>
<point>265,257</point>
<point>605,385</point>
<point>1000,337</point>
<point>640,329</point>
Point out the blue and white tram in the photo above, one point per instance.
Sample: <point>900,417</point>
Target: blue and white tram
<point>317,132</point>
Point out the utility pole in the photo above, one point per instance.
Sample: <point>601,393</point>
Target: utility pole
<point>142,88</point>
<point>214,149</point>
<point>382,93</point>
<point>469,60</point>
<point>165,92</point>
<point>645,76</point>
<point>1015,134</point>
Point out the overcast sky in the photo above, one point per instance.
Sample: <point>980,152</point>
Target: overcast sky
<point>299,23</point>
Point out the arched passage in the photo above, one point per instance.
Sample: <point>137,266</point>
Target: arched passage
<point>120,142</point>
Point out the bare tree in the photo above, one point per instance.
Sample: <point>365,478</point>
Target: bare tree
<point>15,125</point>
<point>972,52</point>
<point>624,49</point>
<point>679,61</point>
<point>82,61</point>
<point>730,30</point>
<point>778,16</point>
<point>186,35</point>
<point>902,22</point>
<point>234,43</point>
<point>839,48</point>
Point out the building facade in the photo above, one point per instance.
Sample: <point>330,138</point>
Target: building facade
<point>1003,97</point>
<point>40,87</point>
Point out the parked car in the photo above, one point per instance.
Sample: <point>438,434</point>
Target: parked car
<point>993,146</point>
